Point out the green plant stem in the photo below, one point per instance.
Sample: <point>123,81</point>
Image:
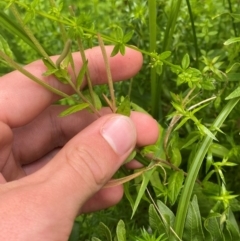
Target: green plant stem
<point>175,9</point>
<point>233,23</point>
<point>106,38</point>
<point>195,167</point>
<point>16,66</point>
<point>29,33</point>
<point>194,32</point>
<point>109,75</point>
<point>152,48</point>
<point>89,83</point>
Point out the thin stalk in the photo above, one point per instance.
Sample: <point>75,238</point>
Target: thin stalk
<point>29,32</point>
<point>194,32</point>
<point>233,23</point>
<point>195,167</point>
<point>16,66</point>
<point>152,40</point>
<point>175,9</point>
<point>89,83</point>
<point>109,75</point>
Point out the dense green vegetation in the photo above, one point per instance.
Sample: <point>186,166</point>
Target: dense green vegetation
<point>189,82</point>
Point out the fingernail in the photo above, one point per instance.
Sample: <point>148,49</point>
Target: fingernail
<point>120,134</point>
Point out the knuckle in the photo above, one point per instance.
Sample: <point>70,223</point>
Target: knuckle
<point>84,161</point>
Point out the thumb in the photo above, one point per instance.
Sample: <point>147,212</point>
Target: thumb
<point>89,160</point>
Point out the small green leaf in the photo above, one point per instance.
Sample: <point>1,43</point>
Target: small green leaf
<point>121,231</point>
<point>122,49</point>
<point>138,108</point>
<point>146,177</point>
<point>232,40</point>
<point>74,109</point>
<point>124,107</point>
<point>159,68</point>
<point>175,182</point>
<point>234,94</point>
<point>119,33</point>
<point>97,101</point>
<point>105,231</point>
<point>185,61</point>
<point>212,225</point>
<point>81,74</point>
<point>115,50</point>
<point>182,122</point>
<point>75,234</point>
<point>155,221</point>
<point>165,55</point>
<point>130,157</point>
<point>127,37</point>
<point>177,107</point>
<point>5,47</point>
<point>193,230</point>
<point>194,136</point>
<point>167,216</point>
<point>206,131</point>
<point>128,194</point>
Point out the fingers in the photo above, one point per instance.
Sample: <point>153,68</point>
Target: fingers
<point>105,198</point>
<point>49,132</point>
<point>88,161</point>
<point>28,99</point>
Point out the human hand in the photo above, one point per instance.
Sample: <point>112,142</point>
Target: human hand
<point>51,168</point>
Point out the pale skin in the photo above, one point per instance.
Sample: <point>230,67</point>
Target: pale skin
<point>53,169</point>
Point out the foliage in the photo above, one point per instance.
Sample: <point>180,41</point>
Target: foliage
<point>189,83</point>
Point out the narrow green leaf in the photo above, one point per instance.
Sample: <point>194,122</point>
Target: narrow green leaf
<point>193,230</point>
<point>81,74</point>
<point>234,94</point>
<point>75,234</point>
<point>185,61</point>
<point>234,232</point>
<point>127,193</point>
<point>130,157</point>
<point>119,33</point>
<point>175,182</point>
<point>122,49</point>
<point>116,49</point>
<point>167,216</point>
<point>155,221</point>
<point>231,41</point>
<point>127,37</point>
<point>190,140</point>
<point>205,130</point>
<point>165,55</point>
<point>235,65</point>
<point>182,122</point>
<point>73,109</point>
<point>121,231</point>
<point>97,101</point>
<point>146,177</point>
<point>175,156</point>
<point>5,47</point>
<point>105,231</point>
<point>212,225</point>
<point>124,108</point>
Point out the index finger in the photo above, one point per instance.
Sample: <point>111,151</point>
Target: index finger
<point>21,99</point>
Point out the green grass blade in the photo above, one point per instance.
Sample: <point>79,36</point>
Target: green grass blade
<point>146,178</point>
<point>195,167</point>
